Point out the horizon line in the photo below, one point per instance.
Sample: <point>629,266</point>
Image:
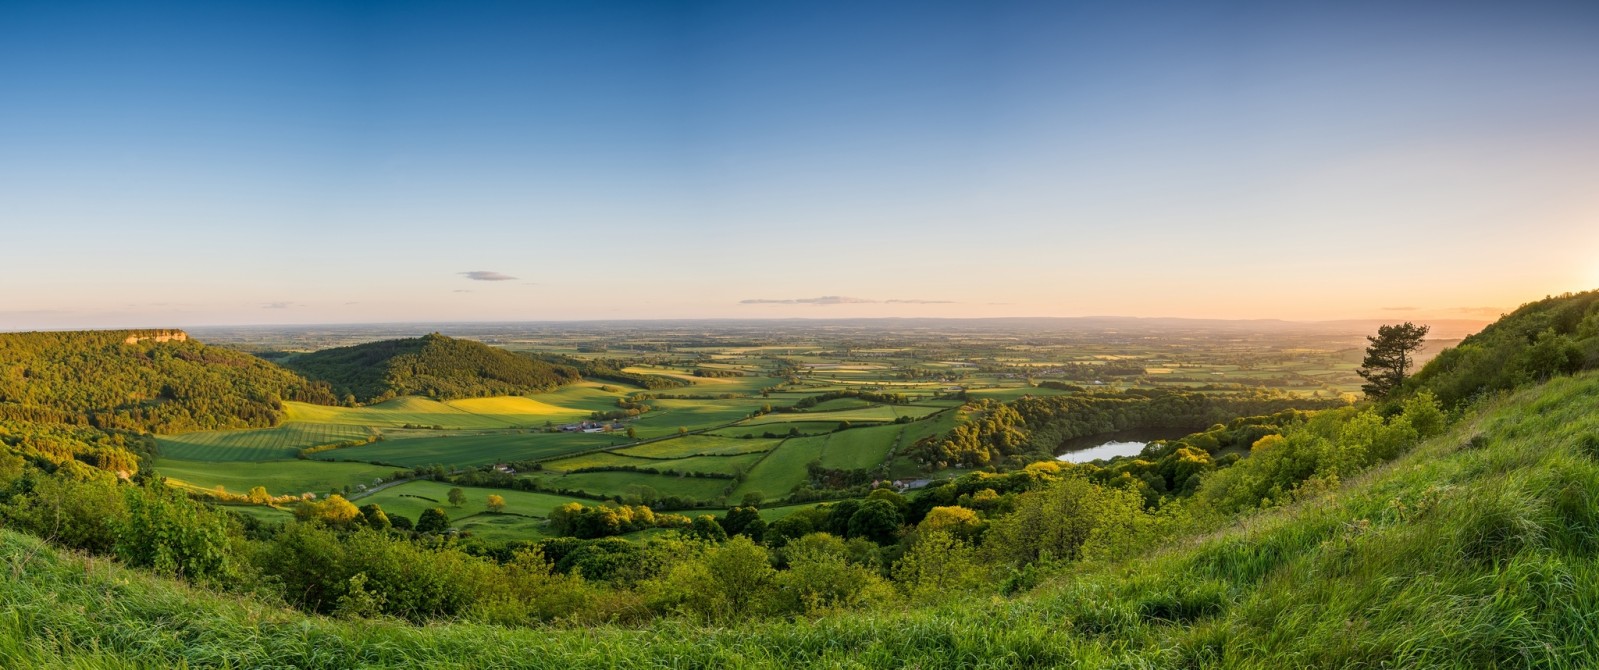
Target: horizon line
<point>761,319</point>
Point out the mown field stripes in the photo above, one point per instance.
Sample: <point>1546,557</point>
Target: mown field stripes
<point>263,444</point>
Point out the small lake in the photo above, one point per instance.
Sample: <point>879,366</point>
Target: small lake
<point>1111,445</point>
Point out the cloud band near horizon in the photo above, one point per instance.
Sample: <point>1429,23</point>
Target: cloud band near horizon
<point>841,300</point>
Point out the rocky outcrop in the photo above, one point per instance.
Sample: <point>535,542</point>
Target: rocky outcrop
<point>137,336</point>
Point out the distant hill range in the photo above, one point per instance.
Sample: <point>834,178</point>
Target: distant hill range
<point>142,380</point>
<point>433,365</point>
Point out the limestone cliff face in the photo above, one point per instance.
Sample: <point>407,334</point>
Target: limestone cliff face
<point>137,336</point>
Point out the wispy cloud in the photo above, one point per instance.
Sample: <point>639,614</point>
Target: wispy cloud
<point>462,290</point>
<point>839,300</point>
<point>1399,309</point>
<point>277,305</point>
<point>487,275</point>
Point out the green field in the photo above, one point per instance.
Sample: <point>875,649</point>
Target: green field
<point>470,450</point>
<point>618,483</point>
<point>860,448</point>
<point>291,477</point>
<point>264,444</point>
<point>936,424</point>
<point>778,429</point>
<point>715,464</point>
<point>784,468</point>
<point>726,465</point>
<point>873,414</point>
<point>670,414</point>
<point>601,459</point>
<point>837,404</point>
<point>697,445</point>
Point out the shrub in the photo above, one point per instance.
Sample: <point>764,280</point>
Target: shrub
<point>172,534</point>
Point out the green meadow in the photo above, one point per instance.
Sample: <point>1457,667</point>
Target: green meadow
<point>783,469</point>
<point>264,444</point>
<point>779,429</point>
<point>860,448</point>
<point>601,459</point>
<point>698,445</point>
<point>668,415</point>
<point>870,414</point>
<point>725,464</point>
<point>472,450</point>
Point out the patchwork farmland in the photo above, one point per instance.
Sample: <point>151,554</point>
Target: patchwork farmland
<point>695,423</point>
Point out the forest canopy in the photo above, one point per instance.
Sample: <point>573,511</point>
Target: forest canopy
<point>142,381</point>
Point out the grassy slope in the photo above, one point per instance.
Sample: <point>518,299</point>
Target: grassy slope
<point>261,444</point>
<point>1466,553</point>
<point>860,448</point>
<point>783,469</point>
<point>699,445</point>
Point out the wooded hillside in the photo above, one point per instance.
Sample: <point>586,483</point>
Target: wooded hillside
<point>432,365</point>
<point>1539,340</point>
<point>149,381</point>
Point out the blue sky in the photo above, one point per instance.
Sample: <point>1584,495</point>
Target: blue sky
<point>207,163</point>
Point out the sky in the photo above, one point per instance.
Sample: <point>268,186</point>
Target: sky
<point>186,164</point>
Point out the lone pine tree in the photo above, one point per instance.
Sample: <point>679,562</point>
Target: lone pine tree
<point>1389,357</point>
